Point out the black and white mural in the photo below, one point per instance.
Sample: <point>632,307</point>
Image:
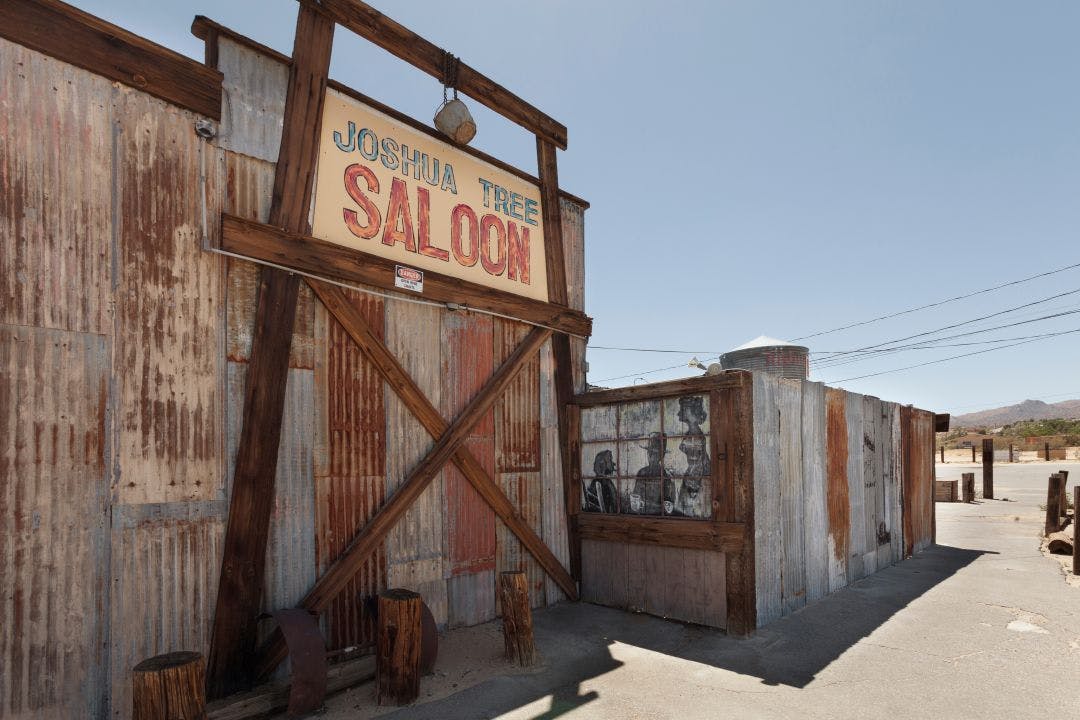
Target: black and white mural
<point>647,458</point>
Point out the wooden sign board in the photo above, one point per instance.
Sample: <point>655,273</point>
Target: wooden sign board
<point>386,189</point>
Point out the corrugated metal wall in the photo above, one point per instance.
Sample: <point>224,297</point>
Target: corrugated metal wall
<point>830,508</point>
<point>124,348</point>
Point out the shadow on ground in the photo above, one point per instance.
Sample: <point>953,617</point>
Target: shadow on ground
<point>575,640</point>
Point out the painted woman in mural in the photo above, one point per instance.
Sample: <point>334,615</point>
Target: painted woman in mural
<point>600,495</point>
<point>695,447</point>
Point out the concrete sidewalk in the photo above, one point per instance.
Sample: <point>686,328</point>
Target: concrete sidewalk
<point>980,626</point>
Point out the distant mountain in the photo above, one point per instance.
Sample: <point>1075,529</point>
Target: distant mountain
<point>1027,410</point>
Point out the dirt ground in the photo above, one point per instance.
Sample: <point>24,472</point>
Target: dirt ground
<point>982,625</point>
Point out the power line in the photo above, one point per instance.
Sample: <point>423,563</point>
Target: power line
<point>896,340</point>
<point>654,350</point>
<point>940,302</point>
<point>856,356</point>
<point>954,357</point>
<point>965,322</point>
<point>651,372</point>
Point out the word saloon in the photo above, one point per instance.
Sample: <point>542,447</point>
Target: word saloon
<point>387,189</point>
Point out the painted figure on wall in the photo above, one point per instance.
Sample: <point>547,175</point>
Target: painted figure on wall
<point>645,495</point>
<point>600,495</point>
<point>685,499</point>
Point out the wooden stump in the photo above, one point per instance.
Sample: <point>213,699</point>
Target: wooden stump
<point>169,687</point>
<point>517,618</point>
<point>397,661</point>
<point>969,486</point>
<point>1053,503</point>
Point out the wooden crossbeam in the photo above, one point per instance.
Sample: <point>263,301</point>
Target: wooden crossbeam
<point>342,570</point>
<point>243,567</point>
<point>372,25</point>
<point>418,404</point>
<point>265,242</point>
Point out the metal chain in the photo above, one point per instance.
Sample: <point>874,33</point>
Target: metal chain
<point>450,73</point>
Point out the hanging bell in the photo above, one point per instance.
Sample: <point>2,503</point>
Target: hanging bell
<point>455,121</point>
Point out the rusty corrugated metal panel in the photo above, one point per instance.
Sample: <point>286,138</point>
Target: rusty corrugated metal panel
<point>573,234</point>
<point>467,364</point>
<point>517,456</point>
<point>768,541</point>
<point>165,566</point>
<point>253,95</point>
<point>53,522</point>
<point>415,548</point>
<point>553,503</point>
<point>169,307</point>
<point>290,549</point>
<point>350,463</point>
<point>55,206</point>
<point>249,185</point>
<point>836,447</point>
<point>517,412</point>
<point>572,216</point>
<point>526,493</point>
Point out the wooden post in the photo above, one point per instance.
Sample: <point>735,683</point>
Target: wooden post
<point>169,686</point>
<point>972,453</point>
<point>1011,453</point>
<point>988,468</point>
<point>1046,451</point>
<point>968,482</point>
<point>1063,508</point>
<point>243,564</point>
<point>517,617</point>
<point>1076,537</point>
<point>1053,503</point>
<point>397,660</point>
<point>942,454</point>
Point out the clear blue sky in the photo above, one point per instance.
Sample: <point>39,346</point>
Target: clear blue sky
<point>775,168</point>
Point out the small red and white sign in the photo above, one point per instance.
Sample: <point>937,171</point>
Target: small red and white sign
<point>408,278</point>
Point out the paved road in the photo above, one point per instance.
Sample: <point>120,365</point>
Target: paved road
<point>980,626</point>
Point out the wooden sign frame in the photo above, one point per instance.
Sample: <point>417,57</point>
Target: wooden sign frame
<point>285,241</point>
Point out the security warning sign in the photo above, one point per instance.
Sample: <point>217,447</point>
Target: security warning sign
<point>393,191</point>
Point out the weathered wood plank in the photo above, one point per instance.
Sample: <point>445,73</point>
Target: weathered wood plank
<point>325,259</point>
<point>768,548</point>
<point>740,578</point>
<point>244,560</point>
<point>78,38</point>
<point>853,412</point>
<point>896,495</point>
<point>872,480</point>
<point>793,564</point>
<point>668,388</point>
<point>815,505</point>
<point>370,24</point>
<point>669,532</point>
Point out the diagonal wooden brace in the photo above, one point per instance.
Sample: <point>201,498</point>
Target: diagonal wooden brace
<point>337,576</point>
<point>380,356</point>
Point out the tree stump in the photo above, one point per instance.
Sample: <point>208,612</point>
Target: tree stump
<point>397,660</point>
<point>968,484</point>
<point>1053,503</point>
<point>170,687</point>
<point>517,618</point>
